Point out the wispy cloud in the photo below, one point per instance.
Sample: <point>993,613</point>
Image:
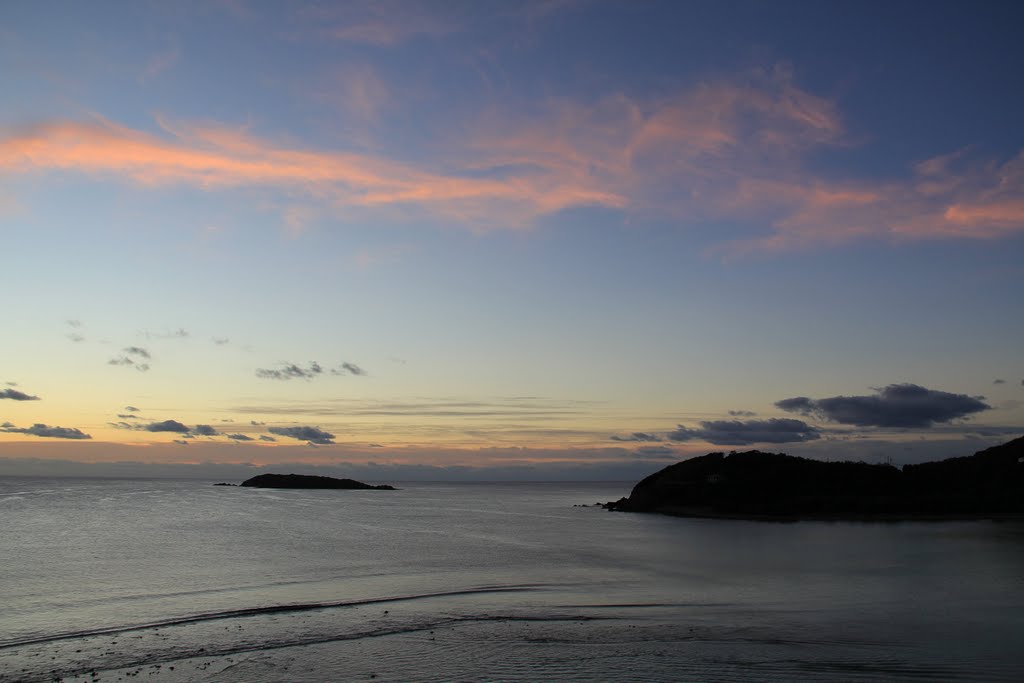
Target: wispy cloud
<point>636,436</point>
<point>350,369</point>
<point>734,149</point>
<point>213,158</point>
<point>384,23</point>
<point>160,62</point>
<point>75,335</point>
<point>510,408</point>
<point>179,333</point>
<point>132,356</point>
<point>288,371</point>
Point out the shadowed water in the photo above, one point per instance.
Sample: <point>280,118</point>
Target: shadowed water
<point>486,582</point>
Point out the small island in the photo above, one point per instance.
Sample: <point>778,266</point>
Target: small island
<point>308,481</point>
<point>776,486</point>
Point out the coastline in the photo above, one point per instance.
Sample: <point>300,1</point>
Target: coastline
<point>696,512</point>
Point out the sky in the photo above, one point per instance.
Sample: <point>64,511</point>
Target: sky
<point>552,239</point>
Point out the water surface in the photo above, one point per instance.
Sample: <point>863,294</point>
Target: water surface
<point>440,582</point>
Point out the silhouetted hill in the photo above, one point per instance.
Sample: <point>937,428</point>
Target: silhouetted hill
<point>753,483</point>
<point>306,481</point>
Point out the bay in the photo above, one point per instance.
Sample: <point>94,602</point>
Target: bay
<point>104,579</point>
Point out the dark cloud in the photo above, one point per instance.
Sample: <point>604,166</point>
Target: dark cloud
<point>311,434</point>
<point>637,436</point>
<point>742,413</point>
<point>350,368</point>
<point>73,323</point>
<point>128,416</point>
<point>16,395</point>
<point>205,430</point>
<point>131,409</point>
<point>291,371</point>
<point>264,437</point>
<point>39,429</point>
<point>897,405</point>
<point>739,433</point>
<point>137,351</point>
<point>999,381</point>
<point>797,404</point>
<point>181,441</point>
<point>255,423</point>
<point>239,437</point>
<point>129,362</point>
<point>167,426</point>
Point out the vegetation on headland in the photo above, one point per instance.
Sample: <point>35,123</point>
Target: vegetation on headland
<point>753,484</point>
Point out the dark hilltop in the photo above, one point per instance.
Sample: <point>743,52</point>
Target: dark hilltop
<point>307,481</point>
<point>753,484</point>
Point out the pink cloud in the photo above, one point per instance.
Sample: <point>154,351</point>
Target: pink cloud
<point>724,151</point>
<point>213,157</point>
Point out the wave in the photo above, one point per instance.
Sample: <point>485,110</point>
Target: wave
<point>262,610</point>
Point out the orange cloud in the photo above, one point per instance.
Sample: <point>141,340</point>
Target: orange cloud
<point>733,151</point>
<point>213,157</point>
<point>940,201</point>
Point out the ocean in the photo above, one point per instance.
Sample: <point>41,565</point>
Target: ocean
<point>105,580</point>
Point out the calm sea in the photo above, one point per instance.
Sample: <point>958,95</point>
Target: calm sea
<point>185,581</point>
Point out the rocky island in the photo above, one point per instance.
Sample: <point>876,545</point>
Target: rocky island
<point>308,481</point>
<point>759,485</point>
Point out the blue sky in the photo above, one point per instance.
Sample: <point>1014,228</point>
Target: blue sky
<point>557,234</point>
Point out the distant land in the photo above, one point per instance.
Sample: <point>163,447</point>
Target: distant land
<point>756,485</point>
<point>307,481</point>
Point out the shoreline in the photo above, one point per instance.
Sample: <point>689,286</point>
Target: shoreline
<point>888,517</point>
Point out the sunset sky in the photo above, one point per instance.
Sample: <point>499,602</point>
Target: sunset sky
<point>574,238</point>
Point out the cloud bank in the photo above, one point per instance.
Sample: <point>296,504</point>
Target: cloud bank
<point>311,434</point>
<point>739,433</point>
<point>40,429</point>
<point>896,405</point>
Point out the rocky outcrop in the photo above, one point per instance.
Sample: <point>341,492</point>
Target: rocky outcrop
<point>307,481</point>
<point>756,484</point>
